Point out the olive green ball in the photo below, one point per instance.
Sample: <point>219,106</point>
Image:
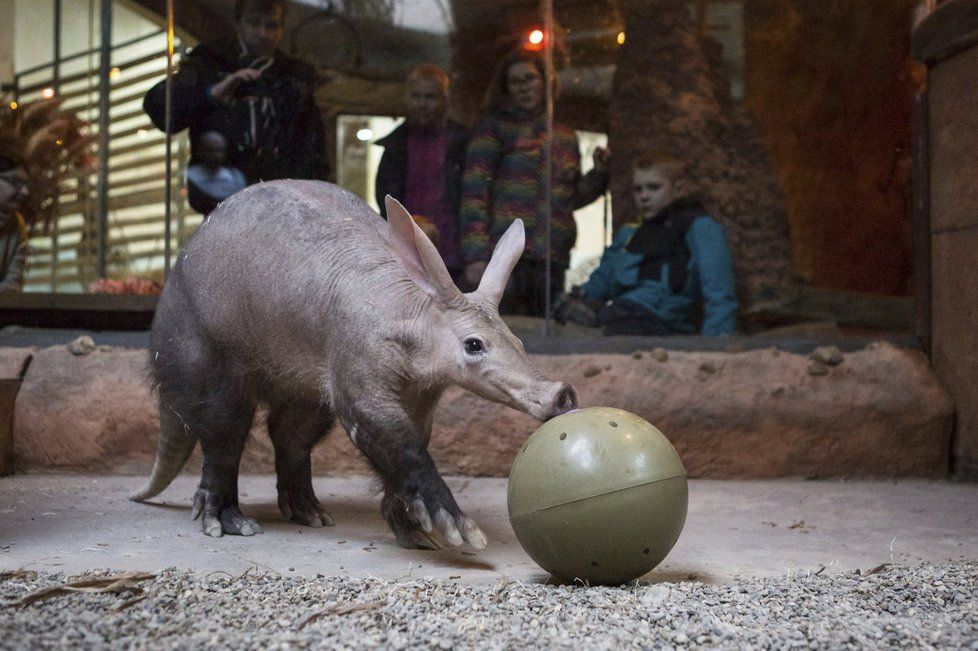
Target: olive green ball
<point>597,495</point>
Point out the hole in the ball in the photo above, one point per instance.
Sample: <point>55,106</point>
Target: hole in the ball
<point>594,563</point>
<point>646,551</point>
<point>563,435</point>
<point>613,423</point>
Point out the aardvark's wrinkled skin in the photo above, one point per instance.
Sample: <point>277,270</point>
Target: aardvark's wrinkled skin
<point>297,294</point>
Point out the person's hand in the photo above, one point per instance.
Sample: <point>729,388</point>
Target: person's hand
<point>576,309</point>
<point>601,158</point>
<point>473,273</point>
<point>223,91</point>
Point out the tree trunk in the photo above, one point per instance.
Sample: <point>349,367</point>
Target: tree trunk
<point>670,95</point>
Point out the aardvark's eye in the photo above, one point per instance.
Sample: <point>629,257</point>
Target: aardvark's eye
<point>474,346</point>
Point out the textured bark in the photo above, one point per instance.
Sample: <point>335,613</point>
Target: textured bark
<point>670,95</point>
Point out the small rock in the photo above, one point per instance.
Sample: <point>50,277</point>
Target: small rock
<point>656,594</point>
<point>636,355</point>
<point>591,371</point>
<point>817,368</point>
<point>708,367</point>
<point>660,355</point>
<point>830,355</point>
<point>777,392</point>
<point>82,346</point>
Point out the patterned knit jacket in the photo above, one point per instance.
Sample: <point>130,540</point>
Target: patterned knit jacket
<point>503,181</point>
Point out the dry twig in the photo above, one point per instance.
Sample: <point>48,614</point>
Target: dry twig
<point>877,569</point>
<point>339,609</point>
<point>497,594</point>
<point>130,602</point>
<point>125,582</point>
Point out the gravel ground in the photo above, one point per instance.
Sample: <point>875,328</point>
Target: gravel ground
<point>927,606</point>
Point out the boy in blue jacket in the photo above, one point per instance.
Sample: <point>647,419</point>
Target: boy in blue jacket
<point>655,274</point>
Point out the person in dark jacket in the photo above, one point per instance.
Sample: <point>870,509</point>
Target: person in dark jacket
<point>248,90</point>
<point>656,274</point>
<point>424,158</point>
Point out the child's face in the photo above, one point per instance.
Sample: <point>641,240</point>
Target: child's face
<point>525,84</point>
<point>652,190</point>
<point>211,150</point>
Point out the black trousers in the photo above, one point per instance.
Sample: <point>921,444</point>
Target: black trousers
<point>526,291</point>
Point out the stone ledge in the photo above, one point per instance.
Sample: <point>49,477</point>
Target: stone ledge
<point>881,413</point>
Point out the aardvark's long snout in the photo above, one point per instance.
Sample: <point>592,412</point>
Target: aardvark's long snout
<point>552,399</point>
<point>565,400</point>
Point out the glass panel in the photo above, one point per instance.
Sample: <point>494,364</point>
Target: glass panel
<point>57,58</point>
<point>770,146</point>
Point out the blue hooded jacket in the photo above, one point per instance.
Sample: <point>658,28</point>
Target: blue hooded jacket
<point>709,277</point>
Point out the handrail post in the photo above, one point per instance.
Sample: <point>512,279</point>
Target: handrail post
<point>56,85</point>
<point>168,119</point>
<point>105,65</point>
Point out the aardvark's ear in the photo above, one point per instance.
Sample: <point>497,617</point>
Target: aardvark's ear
<point>418,255</point>
<point>505,256</point>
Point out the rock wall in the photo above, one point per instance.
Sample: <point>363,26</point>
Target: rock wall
<point>831,86</point>
<point>880,413</point>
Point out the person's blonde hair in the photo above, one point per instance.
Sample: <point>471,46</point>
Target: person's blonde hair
<point>663,160</point>
<point>431,72</point>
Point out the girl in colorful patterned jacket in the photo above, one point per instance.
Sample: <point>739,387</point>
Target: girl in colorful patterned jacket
<point>656,274</point>
<point>504,181</point>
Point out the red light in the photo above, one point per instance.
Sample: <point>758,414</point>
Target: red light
<point>534,40</point>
